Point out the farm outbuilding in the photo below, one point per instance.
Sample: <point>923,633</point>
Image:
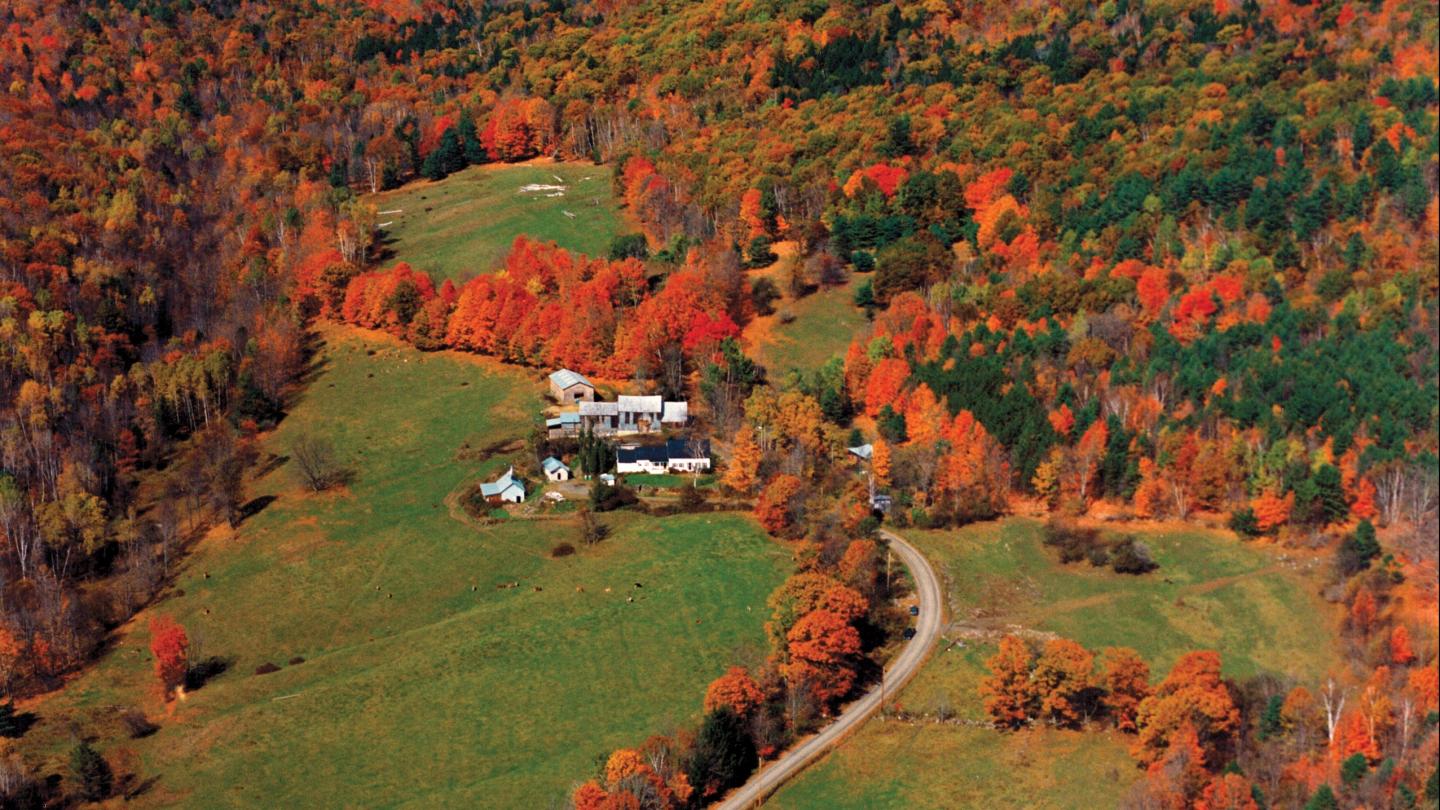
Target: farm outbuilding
<point>556,470</point>
<point>632,414</point>
<point>566,424</point>
<point>569,387</point>
<point>505,489</point>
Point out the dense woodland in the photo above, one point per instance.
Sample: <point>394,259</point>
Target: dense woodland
<point>1159,259</point>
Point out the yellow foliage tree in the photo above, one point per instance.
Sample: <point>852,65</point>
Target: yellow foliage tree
<point>880,461</point>
<point>740,473</point>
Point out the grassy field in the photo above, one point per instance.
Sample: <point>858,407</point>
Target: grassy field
<point>463,225</point>
<point>899,764</point>
<point>427,682</point>
<point>824,322</point>
<point>1211,591</point>
<point>668,480</point>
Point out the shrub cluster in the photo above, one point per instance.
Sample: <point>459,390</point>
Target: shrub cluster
<point>1124,554</point>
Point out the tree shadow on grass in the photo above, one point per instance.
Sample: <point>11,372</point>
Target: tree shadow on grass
<point>206,670</point>
<point>131,786</point>
<point>255,506</point>
<point>14,724</point>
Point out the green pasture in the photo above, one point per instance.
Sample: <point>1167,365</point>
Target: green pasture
<point>446,664</point>
<point>463,226</point>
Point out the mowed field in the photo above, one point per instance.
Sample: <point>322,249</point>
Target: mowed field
<point>824,323</point>
<point>463,226</point>
<point>820,325</point>
<point>1211,592</point>
<point>426,682</point>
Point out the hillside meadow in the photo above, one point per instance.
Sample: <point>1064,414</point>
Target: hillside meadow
<point>805,334</point>
<point>1210,592</point>
<point>463,226</point>
<point>418,657</point>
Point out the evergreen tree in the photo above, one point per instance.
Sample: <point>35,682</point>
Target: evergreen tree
<point>92,772</point>
<point>865,298</point>
<point>898,142</point>
<point>1330,494</point>
<point>433,168</point>
<point>1272,722</point>
<point>1353,769</point>
<point>339,173</point>
<point>724,753</point>
<point>758,253</point>
<point>629,246</point>
<point>1358,550</point>
<point>1323,799</point>
<point>1116,467</point>
<point>1244,523</point>
<point>470,145</point>
<point>891,425</point>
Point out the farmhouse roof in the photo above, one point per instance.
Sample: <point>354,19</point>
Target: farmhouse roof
<point>599,409</point>
<point>501,484</point>
<point>552,464</point>
<point>682,448</point>
<point>636,404</point>
<point>676,412</point>
<point>630,454</point>
<point>863,451</point>
<point>564,378</point>
<point>566,418</point>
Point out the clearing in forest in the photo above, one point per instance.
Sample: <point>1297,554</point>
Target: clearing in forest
<point>1210,592</point>
<point>463,226</point>
<point>426,681</point>
<point>804,334</point>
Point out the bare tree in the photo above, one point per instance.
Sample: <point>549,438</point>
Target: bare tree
<point>316,462</point>
<point>1333,698</point>
<point>592,531</point>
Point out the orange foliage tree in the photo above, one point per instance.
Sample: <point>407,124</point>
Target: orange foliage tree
<point>1193,693</point>
<point>1229,791</point>
<point>1062,681</point>
<point>822,650</point>
<point>776,509</point>
<point>1008,692</point>
<point>1402,652</point>
<point>735,689</point>
<point>1272,511</point>
<point>1086,459</point>
<point>880,461</point>
<point>1126,679</point>
<point>1178,776</point>
<point>884,384</point>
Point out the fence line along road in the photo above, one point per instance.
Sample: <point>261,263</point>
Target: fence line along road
<point>927,631</point>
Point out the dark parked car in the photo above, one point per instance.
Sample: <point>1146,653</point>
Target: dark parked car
<point>914,610</point>
<point>909,633</point>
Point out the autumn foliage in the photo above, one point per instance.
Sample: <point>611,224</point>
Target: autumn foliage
<point>735,690</point>
<point>548,307</point>
<point>171,648</point>
<point>1192,695</point>
<point>822,648</point>
<point>775,509</point>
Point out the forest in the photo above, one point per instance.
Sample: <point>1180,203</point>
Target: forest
<point>1151,260</point>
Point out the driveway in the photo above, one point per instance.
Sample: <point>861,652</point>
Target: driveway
<point>897,674</point>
